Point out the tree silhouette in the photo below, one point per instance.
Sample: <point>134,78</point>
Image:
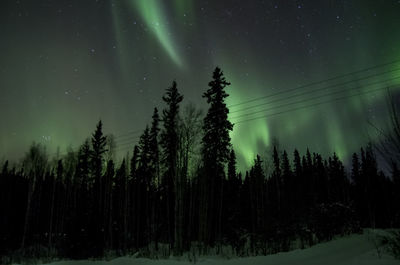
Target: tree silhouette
<point>96,229</point>
<point>215,151</point>
<point>172,180</point>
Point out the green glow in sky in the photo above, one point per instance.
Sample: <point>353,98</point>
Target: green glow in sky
<point>153,15</point>
<point>246,142</point>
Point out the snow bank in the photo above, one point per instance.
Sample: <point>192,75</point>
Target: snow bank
<point>351,250</point>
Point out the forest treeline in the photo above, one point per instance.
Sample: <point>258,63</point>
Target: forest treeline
<point>180,188</point>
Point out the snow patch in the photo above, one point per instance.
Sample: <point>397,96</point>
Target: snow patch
<point>357,249</point>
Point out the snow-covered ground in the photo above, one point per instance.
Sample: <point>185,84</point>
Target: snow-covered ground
<point>350,250</point>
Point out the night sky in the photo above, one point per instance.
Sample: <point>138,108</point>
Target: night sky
<point>66,64</point>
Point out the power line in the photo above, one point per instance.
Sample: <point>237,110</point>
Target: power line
<point>133,137</point>
<point>128,134</point>
<point>124,147</point>
<point>315,83</point>
<point>313,91</point>
<point>127,142</point>
<point>308,106</point>
<point>313,98</point>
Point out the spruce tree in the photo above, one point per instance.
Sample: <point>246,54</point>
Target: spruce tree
<point>99,142</point>
<point>144,157</point>
<point>155,171</point>
<point>355,169</point>
<point>297,164</point>
<point>154,149</point>
<point>287,186</point>
<point>135,190</point>
<point>216,139</point>
<point>84,198</point>
<point>232,165</point>
<point>134,162</point>
<point>172,183</point>
<point>108,180</point>
<point>369,170</point>
<point>215,151</point>
<point>120,209</point>
<point>145,183</point>
<point>337,180</point>
<point>83,166</point>
<point>231,201</point>
<point>257,180</point>
<point>321,180</point>
<point>276,181</point>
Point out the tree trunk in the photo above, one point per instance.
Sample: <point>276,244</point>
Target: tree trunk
<point>52,212</point>
<point>28,211</point>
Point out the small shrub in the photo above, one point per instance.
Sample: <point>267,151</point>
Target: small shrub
<point>393,243</point>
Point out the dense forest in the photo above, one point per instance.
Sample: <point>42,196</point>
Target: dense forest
<point>180,189</point>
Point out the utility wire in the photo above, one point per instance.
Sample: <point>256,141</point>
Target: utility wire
<point>129,133</point>
<point>311,105</point>
<point>316,97</point>
<point>314,90</point>
<point>128,139</point>
<point>316,83</point>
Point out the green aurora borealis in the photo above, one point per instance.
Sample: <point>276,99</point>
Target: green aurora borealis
<point>65,64</point>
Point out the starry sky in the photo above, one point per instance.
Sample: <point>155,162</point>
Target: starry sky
<point>307,73</point>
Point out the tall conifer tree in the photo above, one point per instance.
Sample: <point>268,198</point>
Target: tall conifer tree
<point>172,182</point>
<point>215,150</point>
